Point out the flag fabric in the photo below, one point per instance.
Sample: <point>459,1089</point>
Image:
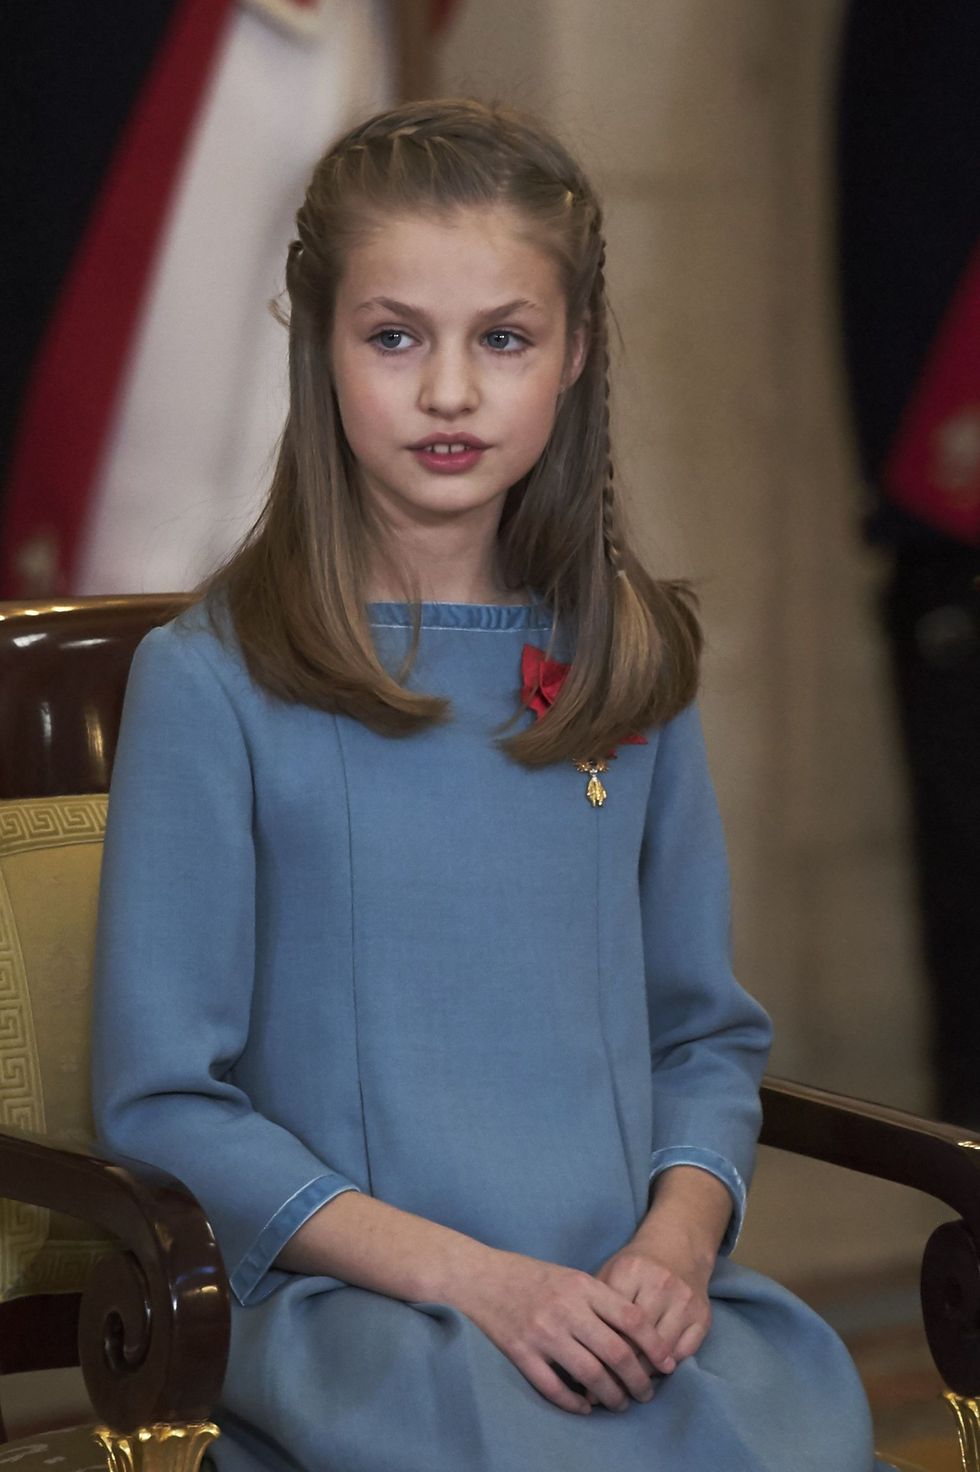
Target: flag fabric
<point>933,469</point>
<point>68,387</point>
<point>162,151</point>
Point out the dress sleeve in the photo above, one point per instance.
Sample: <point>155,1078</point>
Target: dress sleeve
<point>709,1040</point>
<point>174,967</point>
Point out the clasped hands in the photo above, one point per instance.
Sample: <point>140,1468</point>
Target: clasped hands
<point>581,1340</point>
<point>612,1333</point>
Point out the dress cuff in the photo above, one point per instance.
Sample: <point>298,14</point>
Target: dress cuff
<point>716,1165</point>
<point>251,1280</point>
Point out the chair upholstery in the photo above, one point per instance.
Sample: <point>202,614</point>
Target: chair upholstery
<point>50,852</point>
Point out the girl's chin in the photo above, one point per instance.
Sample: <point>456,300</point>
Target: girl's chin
<point>450,496</point>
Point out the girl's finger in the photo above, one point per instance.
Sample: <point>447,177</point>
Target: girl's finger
<point>551,1386</point>
<point>634,1323</point>
<point>676,1319</point>
<point>619,1355</point>
<point>594,1376</point>
<point>691,1341</point>
<point>648,1369</point>
<point>655,1304</point>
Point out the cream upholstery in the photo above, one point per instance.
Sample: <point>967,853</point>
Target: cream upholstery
<point>50,855</point>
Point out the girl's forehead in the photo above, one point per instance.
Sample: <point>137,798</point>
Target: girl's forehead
<point>473,249</point>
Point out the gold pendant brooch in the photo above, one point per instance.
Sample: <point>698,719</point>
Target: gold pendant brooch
<point>594,790</point>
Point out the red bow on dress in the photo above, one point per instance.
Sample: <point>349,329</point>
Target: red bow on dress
<point>543,679</point>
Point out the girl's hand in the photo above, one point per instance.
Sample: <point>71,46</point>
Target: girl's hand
<point>665,1270</point>
<point>672,1295</point>
<point>542,1316</point>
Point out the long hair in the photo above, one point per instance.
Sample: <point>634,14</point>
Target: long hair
<point>295,588</point>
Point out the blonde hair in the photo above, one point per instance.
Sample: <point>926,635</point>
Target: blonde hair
<point>295,588</point>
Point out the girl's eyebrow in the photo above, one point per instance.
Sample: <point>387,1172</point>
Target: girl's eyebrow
<point>402,309</point>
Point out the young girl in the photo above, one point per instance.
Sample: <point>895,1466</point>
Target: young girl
<point>415,897</point>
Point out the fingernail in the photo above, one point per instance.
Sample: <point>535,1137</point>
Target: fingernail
<point>669,1364</point>
<point>585,1410</point>
<point>647,1394</point>
<point>624,1406</point>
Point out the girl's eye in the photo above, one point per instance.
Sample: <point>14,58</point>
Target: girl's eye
<point>393,340</point>
<point>506,332</point>
<point>387,348</point>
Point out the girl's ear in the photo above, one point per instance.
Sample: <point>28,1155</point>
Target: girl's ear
<point>576,355</point>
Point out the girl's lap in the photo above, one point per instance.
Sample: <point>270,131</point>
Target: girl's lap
<point>354,1381</point>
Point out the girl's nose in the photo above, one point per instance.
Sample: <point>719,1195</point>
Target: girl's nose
<point>449,385</point>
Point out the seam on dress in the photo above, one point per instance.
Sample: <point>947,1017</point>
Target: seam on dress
<point>600,1001</point>
<point>183,640</point>
<point>353,958</point>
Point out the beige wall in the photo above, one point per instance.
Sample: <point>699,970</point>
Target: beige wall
<point>705,126</point>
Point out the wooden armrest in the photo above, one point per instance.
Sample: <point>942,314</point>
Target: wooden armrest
<point>940,1159</point>
<point>155,1319</point>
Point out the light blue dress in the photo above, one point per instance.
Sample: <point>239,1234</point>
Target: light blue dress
<point>330,960</point>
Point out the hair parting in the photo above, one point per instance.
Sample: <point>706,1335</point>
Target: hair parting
<point>295,587</point>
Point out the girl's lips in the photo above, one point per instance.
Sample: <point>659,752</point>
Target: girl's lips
<point>440,437</point>
<point>441,461</point>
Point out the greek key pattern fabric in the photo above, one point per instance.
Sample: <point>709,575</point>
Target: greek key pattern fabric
<point>20,1082</point>
<point>46,821</point>
<point>23,1229</point>
<point>33,1256</point>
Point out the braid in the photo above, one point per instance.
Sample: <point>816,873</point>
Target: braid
<point>610,538</point>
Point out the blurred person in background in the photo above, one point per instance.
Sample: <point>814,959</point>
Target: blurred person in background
<point>909,217</point>
<point>153,158</point>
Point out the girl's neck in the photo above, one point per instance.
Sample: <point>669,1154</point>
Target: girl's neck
<point>448,579</point>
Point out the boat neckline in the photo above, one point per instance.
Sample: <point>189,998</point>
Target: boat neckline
<point>435,614</point>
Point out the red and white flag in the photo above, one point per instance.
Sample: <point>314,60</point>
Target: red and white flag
<point>146,386</point>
